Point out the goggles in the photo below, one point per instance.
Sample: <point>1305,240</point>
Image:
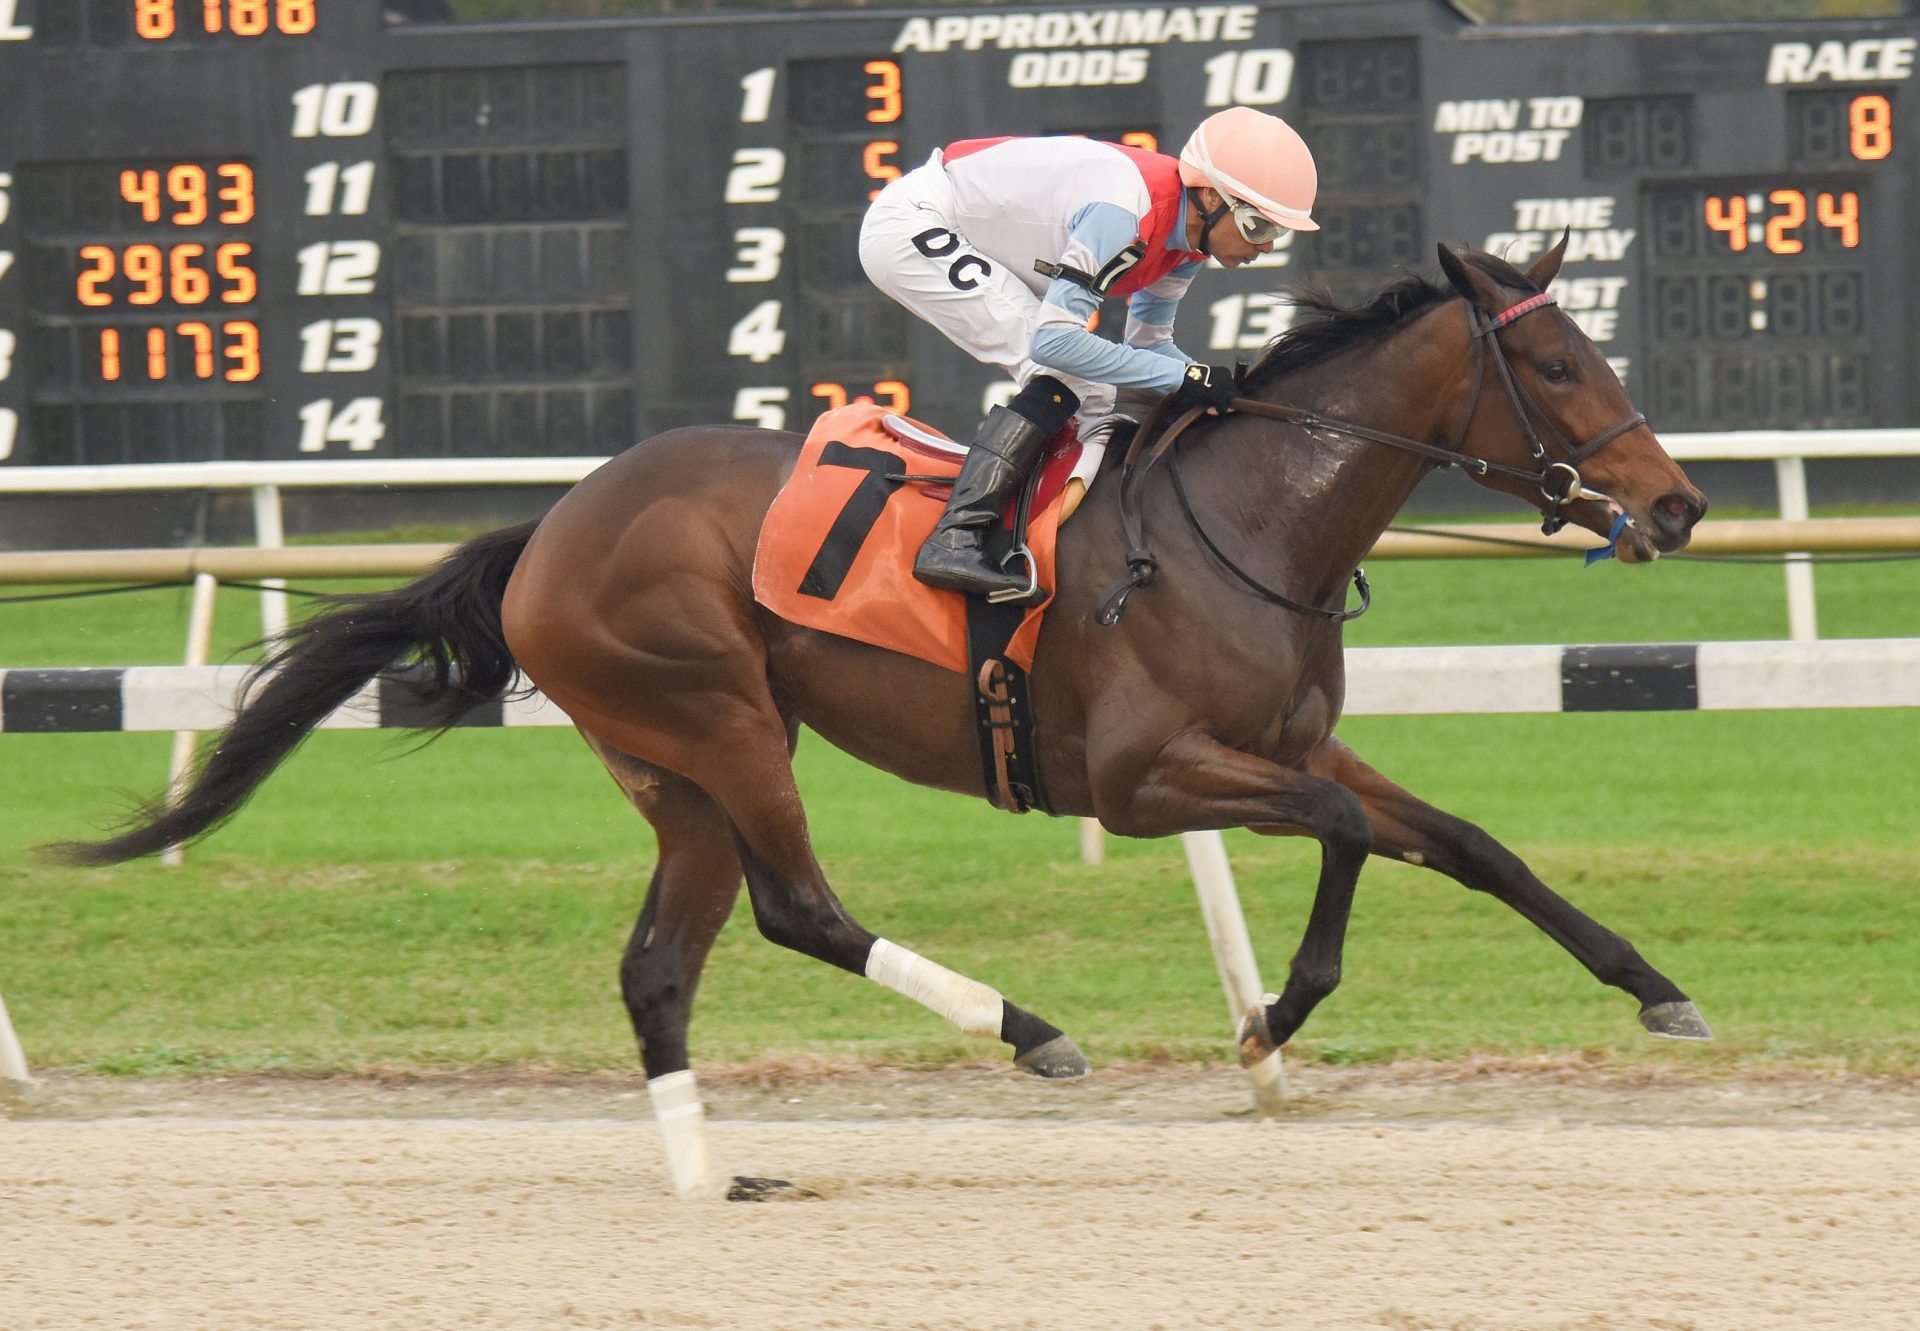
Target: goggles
<point>1255,227</point>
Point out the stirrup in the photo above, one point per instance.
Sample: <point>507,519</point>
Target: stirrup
<point>1028,592</point>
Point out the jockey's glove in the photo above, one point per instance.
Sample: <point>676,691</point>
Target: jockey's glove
<point>1211,386</point>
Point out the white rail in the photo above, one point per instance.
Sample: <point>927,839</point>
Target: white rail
<point>1786,449</point>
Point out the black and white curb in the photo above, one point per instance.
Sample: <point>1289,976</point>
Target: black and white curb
<point>1381,681</point>
<point>203,698</point>
<point>1671,677</point>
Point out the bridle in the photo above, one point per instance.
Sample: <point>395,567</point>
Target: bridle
<point>1483,328</point>
<point>1558,479</point>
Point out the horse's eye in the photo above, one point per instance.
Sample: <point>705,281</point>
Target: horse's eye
<point>1557,372</point>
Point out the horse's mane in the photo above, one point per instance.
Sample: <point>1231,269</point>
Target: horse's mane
<point>1326,328</point>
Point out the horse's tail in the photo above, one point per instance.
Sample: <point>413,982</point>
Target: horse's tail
<point>449,620</point>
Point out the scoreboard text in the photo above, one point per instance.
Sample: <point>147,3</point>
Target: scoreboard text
<point>280,228</point>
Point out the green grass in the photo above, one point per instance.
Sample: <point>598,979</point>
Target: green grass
<point>467,904</point>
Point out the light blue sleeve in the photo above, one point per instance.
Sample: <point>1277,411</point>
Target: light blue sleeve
<point>1151,309</point>
<point>1060,337</point>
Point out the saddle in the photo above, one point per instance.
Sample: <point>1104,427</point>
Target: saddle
<point>836,549</point>
<point>836,554</point>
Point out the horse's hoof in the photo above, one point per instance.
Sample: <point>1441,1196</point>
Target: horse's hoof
<point>1256,1037</point>
<point>1059,1059</point>
<point>1675,1021</point>
<point>767,1190</point>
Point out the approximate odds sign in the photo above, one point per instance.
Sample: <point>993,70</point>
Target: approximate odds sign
<point>275,228</point>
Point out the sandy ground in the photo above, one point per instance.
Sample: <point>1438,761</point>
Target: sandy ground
<point>1530,1197</point>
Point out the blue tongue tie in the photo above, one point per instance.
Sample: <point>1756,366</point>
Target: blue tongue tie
<point>1599,553</point>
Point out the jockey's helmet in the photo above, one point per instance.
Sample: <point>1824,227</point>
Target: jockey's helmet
<point>1258,161</point>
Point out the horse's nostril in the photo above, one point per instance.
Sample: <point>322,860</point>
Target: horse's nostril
<point>1679,510</point>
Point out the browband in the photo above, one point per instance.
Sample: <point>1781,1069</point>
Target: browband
<point>1525,307</point>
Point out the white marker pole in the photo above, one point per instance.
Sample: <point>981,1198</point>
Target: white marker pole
<point>1233,953</point>
<point>199,646</point>
<point>13,1060</point>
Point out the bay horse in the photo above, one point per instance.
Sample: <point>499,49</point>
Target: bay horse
<point>631,606</point>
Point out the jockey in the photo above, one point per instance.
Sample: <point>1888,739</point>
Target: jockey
<point>1009,245</point>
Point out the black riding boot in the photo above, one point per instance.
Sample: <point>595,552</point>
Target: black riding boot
<point>1002,452</point>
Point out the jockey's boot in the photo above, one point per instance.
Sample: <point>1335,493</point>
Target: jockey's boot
<point>1003,451</point>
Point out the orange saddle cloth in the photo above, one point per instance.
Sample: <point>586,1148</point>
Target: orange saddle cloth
<point>836,550</point>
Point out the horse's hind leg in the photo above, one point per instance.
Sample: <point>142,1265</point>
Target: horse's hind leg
<point>795,908</point>
<point>1407,828</point>
<point>695,884</point>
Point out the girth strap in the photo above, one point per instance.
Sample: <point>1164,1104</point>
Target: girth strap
<point>1002,701</point>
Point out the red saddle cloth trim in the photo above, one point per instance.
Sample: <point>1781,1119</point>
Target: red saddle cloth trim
<point>879,601</point>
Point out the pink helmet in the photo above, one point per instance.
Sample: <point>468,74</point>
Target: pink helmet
<point>1256,158</point>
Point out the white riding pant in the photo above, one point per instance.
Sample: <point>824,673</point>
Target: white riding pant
<point>913,251</point>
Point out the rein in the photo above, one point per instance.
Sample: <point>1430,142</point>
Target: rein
<point>1141,564</point>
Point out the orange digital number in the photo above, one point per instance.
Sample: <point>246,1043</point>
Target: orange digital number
<point>142,188</point>
<point>156,354</point>
<point>230,261</point>
<point>88,287</point>
<point>145,266</point>
<point>110,354</point>
<point>1842,213</point>
<point>189,285</point>
<point>1795,203</point>
<point>1139,138</point>
<point>1870,127</point>
<point>201,336</point>
<point>153,19</point>
<point>250,18</point>
<point>873,162</point>
<point>1729,215</point>
<point>890,393</point>
<point>187,186</point>
<point>238,194</point>
<point>886,92</point>
<point>245,352</point>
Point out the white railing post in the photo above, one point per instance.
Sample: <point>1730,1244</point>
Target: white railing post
<point>1232,953</point>
<point>1093,842</point>
<point>13,1061</point>
<point>1790,474</point>
<point>270,533</point>
<point>199,644</point>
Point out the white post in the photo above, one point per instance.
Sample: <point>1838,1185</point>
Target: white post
<point>270,533</point>
<point>199,643</point>
<point>1790,474</point>
<point>1233,952</point>
<point>13,1061</point>
<point>1093,842</point>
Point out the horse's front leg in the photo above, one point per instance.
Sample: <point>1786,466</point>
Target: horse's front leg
<point>1407,828</point>
<point>1193,783</point>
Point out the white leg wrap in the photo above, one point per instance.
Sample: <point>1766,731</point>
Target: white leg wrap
<point>968,1004</point>
<point>683,1132</point>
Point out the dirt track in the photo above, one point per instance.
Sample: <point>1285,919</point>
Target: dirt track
<point>1532,1198</point>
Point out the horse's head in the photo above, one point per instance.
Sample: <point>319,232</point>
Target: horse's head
<point>1550,403</point>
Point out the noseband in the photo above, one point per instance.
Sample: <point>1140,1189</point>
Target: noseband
<point>1558,479</point>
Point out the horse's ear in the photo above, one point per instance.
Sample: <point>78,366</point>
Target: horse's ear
<point>1547,266</point>
<point>1476,286</point>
